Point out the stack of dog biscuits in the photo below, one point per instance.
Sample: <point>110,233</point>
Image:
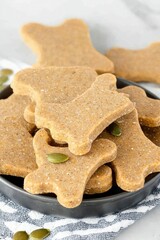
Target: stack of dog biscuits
<point>71,128</point>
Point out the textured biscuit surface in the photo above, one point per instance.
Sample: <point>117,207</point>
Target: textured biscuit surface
<point>13,108</point>
<point>148,108</point>
<point>53,84</point>
<point>137,156</point>
<point>16,150</point>
<point>17,157</point>
<point>137,65</point>
<point>80,121</point>
<point>29,113</point>
<point>100,182</point>
<point>61,178</point>
<point>66,45</point>
<point>77,122</point>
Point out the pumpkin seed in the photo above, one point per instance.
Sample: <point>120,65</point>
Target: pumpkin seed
<point>6,72</point>
<point>57,157</point>
<point>39,234</point>
<point>114,129</point>
<point>21,235</point>
<point>3,79</point>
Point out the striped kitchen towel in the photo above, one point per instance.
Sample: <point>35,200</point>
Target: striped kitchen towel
<point>13,217</point>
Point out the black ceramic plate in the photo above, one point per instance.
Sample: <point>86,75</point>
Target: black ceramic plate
<point>95,205</point>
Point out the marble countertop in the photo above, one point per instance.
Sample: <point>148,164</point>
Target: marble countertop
<point>124,23</point>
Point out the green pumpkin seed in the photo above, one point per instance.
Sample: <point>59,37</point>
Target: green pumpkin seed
<point>6,72</point>
<point>21,235</point>
<point>114,129</point>
<point>57,157</point>
<point>39,234</point>
<point>3,79</point>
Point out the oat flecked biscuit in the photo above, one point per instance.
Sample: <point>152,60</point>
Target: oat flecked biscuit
<point>61,178</point>
<point>137,65</point>
<point>13,108</point>
<point>80,121</point>
<point>137,156</point>
<point>17,156</point>
<point>52,84</point>
<point>100,182</point>
<point>68,44</point>
<point>29,113</point>
<point>148,108</point>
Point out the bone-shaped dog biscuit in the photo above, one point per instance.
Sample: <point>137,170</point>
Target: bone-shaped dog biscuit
<point>101,180</point>
<point>59,85</point>
<point>29,113</point>
<point>16,151</point>
<point>137,156</point>
<point>80,121</point>
<point>61,178</point>
<point>68,44</point>
<point>148,108</point>
<point>53,84</point>
<point>137,65</point>
<point>13,108</point>
<point>17,156</point>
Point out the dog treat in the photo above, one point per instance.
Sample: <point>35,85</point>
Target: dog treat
<point>100,182</point>
<point>153,133</point>
<point>68,44</point>
<point>80,121</point>
<point>137,156</point>
<point>29,113</point>
<point>148,108</point>
<point>137,65</point>
<point>17,156</point>
<point>13,108</point>
<point>61,178</point>
<point>53,84</point>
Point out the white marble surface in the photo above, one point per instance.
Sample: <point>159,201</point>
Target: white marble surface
<point>124,23</point>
